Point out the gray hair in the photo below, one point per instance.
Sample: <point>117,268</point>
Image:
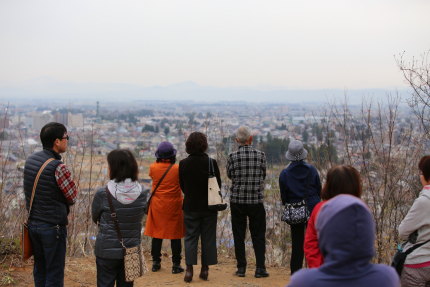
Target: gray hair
<point>243,134</point>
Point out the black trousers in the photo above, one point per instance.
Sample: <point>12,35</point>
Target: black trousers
<point>175,244</point>
<point>110,271</point>
<point>297,241</point>
<point>203,225</point>
<point>257,226</point>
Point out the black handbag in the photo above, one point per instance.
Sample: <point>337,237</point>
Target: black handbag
<point>400,257</point>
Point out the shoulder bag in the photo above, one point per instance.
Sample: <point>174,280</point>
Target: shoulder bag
<point>26,247</point>
<point>215,201</point>
<point>296,213</point>
<point>146,210</point>
<point>400,256</point>
<point>134,260</point>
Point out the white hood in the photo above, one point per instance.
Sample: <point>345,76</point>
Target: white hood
<point>126,191</point>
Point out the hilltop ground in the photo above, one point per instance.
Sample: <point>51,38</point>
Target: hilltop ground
<point>82,272</point>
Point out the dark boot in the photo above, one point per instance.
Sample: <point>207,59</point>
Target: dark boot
<point>261,272</point>
<point>156,254</point>
<point>204,272</point>
<point>241,271</point>
<point>156,265</point>
<point>188,274</point>
<point>176,268</point>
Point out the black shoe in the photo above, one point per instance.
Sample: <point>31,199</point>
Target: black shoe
<point>240,271</point>
<point>204,272</point>
<point>156,266</point>
<point>189,274</point>
<point>261,272</point>
<point>176,268</point>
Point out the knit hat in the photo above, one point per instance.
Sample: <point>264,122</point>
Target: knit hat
<point>296,151</point>
<point>165,150</point>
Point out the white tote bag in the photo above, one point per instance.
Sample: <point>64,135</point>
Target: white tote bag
<point>215,201</point>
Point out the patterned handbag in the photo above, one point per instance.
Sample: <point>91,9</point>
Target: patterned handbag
<point>295,213</point>
<point>134,263</point>
<point>134,260</point>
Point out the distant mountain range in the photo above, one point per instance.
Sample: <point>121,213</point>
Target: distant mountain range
<point>51,90</point>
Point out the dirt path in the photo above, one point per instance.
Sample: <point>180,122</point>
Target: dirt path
<point>82,272</point>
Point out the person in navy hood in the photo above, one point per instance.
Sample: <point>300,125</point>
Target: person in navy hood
<point>346,234</point>
<point>298,181</point>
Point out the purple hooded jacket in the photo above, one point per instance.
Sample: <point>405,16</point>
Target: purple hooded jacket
<point>346,234</point>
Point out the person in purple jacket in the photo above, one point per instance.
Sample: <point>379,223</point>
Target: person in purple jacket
<point>346,234</point>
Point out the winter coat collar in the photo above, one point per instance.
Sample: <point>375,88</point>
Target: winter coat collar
<point>56,155</point>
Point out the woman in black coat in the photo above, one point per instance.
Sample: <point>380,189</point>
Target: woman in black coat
<point>199,220</point>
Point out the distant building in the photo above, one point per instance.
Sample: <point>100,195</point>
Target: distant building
<point>62,117</point>
<point>75,120</point>
<point>4,122</point>
<point>41,119</point>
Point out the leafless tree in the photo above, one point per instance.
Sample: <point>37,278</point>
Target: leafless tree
<point>417,74</point>
<point>385,150</point>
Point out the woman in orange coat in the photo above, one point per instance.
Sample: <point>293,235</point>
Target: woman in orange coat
<point>165,216</point>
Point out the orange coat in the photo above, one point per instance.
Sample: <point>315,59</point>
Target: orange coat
<point>165,218</point>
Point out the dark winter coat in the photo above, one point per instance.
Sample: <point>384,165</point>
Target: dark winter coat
<point>130,222</point>
<point>298,181</point>
<point>49,204</point>
<point>193,178</point>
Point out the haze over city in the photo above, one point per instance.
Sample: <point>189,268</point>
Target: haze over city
<point>318,84</point>
<point>207,50</point>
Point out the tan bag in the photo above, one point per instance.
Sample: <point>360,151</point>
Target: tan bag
<point>26,247</point>
<point>215,201</point>
<point>134,263</point>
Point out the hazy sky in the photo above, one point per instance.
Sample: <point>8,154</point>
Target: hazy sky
<point>294,44</point>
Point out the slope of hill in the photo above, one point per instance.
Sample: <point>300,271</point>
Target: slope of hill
<point>82,272</point>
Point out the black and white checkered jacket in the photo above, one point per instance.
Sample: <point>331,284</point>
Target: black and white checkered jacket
<point>247,170</point>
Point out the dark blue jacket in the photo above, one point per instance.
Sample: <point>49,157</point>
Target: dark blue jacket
<point>346,235</point>
<point>50,204</point>
<point>298,181</point>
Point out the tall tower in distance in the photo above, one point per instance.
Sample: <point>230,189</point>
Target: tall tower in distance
<point>97,110</point>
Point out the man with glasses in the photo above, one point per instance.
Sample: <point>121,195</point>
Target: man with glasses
<point>55,192</point>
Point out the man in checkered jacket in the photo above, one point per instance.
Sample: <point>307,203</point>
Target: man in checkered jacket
<point>55,192</point>
<point>246,168</point>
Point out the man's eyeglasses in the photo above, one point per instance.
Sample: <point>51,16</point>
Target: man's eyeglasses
<point>66,137</point>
